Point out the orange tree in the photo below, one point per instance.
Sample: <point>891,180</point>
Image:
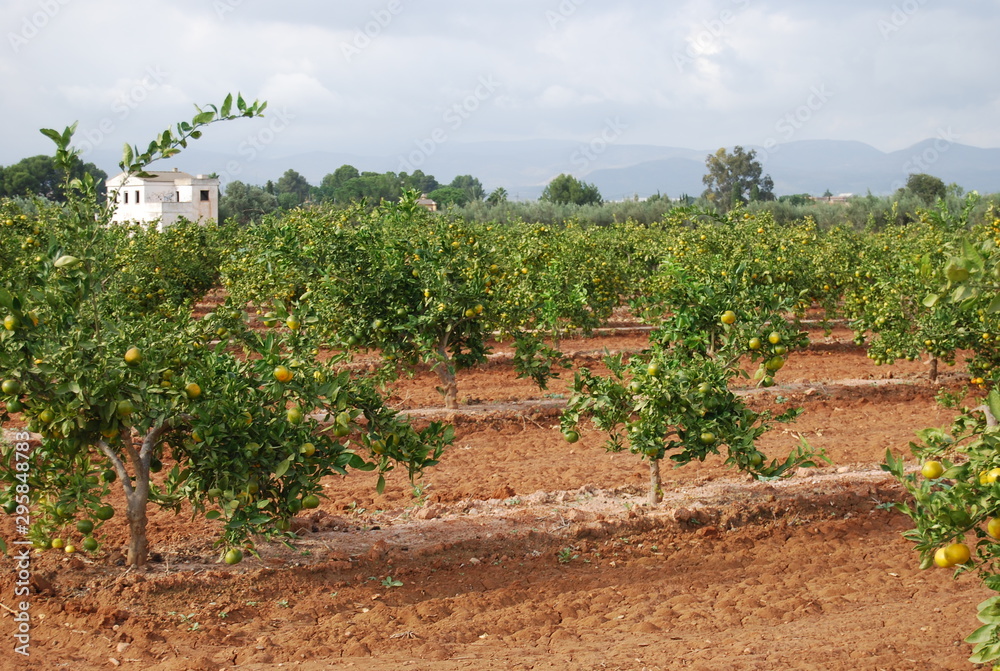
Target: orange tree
<point>717,283</point>
<point>896,269</point>
<point>20,242</point>
<point>417,286</point>
<point>558,278</point>
<point>277,258</point>
<point>421,288</point>
<point>151,270</point>
<point>674,398</point>
<point>551,280</point>
<point>161,271</point>
<point>807,262</point>
<point>955,504</point>
<point>113,398</point>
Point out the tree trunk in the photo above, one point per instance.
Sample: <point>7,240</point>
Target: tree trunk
<point>136,493</point>
<point>449,388</point>
<point>138,545</point>
<point>446,373</point>
<point>934,369</point>
<point>654,482</point>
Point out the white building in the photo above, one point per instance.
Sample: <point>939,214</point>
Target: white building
<point>164,197</point>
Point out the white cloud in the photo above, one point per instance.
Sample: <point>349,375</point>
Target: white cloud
<point>744,65</point>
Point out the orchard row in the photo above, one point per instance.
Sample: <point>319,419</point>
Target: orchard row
<point>100,353</point>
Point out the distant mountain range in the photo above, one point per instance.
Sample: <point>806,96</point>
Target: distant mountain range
<point>622,171</point>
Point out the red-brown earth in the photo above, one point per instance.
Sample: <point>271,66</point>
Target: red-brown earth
<point>521,551</point>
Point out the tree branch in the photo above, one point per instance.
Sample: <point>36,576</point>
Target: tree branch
<point>118,465</point>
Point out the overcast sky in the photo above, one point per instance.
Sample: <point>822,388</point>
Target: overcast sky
<point>388,76</point>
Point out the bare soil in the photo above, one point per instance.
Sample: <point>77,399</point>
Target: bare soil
<point>520,551</point>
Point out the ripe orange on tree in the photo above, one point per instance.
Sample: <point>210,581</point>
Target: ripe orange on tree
<point>957,553</point>
<point>932,469</point>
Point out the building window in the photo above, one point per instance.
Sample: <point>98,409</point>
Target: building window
<point>126,197</point>
<point>204,194</point>
<point>137,196</point>
<point>178,194</point>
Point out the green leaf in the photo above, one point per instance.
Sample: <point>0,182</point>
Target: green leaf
<point>227,105</point>
<point>203,118</point>
<point>981,635</point>
<point>893,465</point>
<point>283,467</point>
<point>127,155</point>
<point>985,654</point>
<point>988,603</point>
<point>52,135</point>
<point>989,615</point>
<point>213,515</point>
<point>380,485</point>
<point>955,472</point>
<point>931,300</point>
<point>994,306</point>
<point>68,388</point>
<point>993,401</point>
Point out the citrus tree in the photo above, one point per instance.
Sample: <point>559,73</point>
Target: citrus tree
<point>898,267</point>
<point>674,398</point>
<point>421,289</point>
<point>165,270</point>
<point>955,497</point>
<point>278,257</point>
<point>415,286</point>
<point>249,425</point>
<point>558,278</point>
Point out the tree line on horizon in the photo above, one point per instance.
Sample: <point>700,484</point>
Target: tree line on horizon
<point>732,179</point>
